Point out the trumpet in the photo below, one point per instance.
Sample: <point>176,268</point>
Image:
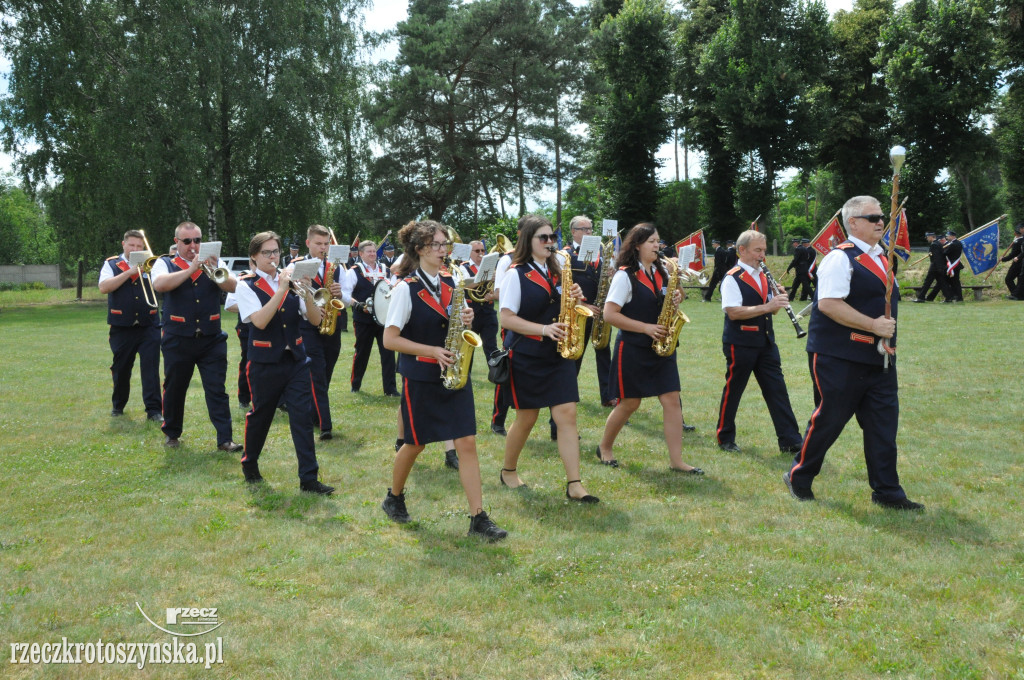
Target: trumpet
<point>148,293</point>
<point>321,296</point>
<point>217,274</point>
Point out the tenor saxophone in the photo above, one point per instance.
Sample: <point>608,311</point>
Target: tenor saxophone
<point>602,332</point>
<point>332,305</point>
<point>460,341</point>
<point>670,316</point>
<point>574,316</point>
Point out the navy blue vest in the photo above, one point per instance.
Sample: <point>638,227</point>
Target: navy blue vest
<point>428,324</point>
<point>644,305</point>
<point>539,303</point>
<point>266,345</point>
<point>585,274</point>
<point>362,290</point>
<point>753,332</point>
<point>127,306</point>
<point>867,296</point>
<point>192,306</point>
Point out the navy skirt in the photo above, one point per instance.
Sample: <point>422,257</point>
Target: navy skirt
<point>637,372</point>
<point>432,413</point>
<point>539,382</point>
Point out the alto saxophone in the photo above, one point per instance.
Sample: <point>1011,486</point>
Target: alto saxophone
<point>460,341</point>
<point>670,316</point>
<point>574,316</point>
<point>602,332</point>
<point>332,305</point>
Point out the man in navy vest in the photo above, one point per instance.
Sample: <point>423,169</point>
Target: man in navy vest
<point>356,289</point>
<point>485,319</point>
<point>748,342</point>
<point>192,336</point>
<point>133,329</point>
<point>853,378</point>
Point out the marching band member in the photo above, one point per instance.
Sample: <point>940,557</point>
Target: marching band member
<point>748,342</point>
<point>322,350</point>
<point>530,302</point>
<point>634,303</point>
<point>417,327</point>
<point>501,402</point>
<point>192,336</point>
<point>134,329</point>
<point>278,365</point>
<point>485,320</point>
<point>356,289</point>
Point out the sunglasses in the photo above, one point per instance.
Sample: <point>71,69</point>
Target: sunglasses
<point>547,238</point>
<point>190,241</point>
<point>871,218</point>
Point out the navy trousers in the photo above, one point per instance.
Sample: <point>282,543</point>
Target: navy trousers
<point>366,334</point>
<point>125,343</point>
<point>182,355</point>
<point>765,364</point>
<point>322,351</point>
<point>850,389</point>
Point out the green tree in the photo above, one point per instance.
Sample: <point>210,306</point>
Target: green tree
<point>681,209</point>
<point>1010,113</point>
<point>633,55</point>
<point>25,235</point>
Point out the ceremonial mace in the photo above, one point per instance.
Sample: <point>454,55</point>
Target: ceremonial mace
<point>896,156</point>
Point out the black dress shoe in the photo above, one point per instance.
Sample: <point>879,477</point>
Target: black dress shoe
<point>482,525</point>
<point>398,444</point>
<point>730,447</point>
<point>697,472</point>
<point>451,459</point>
<point>156,417</point>
<point>392,393</point>
<point>795,448</point>
<point>229,446</point>
<point>689,428</point>
<point>499,429</point>
<point>326,436</point>
<point>171,442</point>
<point>610,463</point>
<point>919,300</point>
<point>394,507</point>
<point>252,473</point>
<point>898,504</point>
<point>588,499</point>
<point>244,405</point>
<point>317,487</point>
<point>797,492</point>
<point>116,412</point>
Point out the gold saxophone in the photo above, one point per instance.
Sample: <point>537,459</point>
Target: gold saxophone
<point>574,316</point>
<point>670,317</point>
<point>331,305</point>
<point>602,332</point>
<point>461,341</point>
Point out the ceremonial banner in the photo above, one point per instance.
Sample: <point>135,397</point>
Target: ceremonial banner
<point>981,248</point>
<point>902,247</point>
<point>697,239</point>
<point>829,237</point>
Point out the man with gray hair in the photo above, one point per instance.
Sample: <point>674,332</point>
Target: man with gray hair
<point>848,324</point>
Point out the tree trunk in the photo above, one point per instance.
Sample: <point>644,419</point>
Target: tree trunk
<point>558,170</point>
<point>965,180</point>
<point>227,195</point>
<point>519,167</point>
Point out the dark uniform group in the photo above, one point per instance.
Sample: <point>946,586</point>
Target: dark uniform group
<point>803,259</point>
<point>944,268</point>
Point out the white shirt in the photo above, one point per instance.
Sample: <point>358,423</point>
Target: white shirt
<point>510,295</point>
<point>500,269</point>
<point>620,290</point>
<point>160,268</point>
<point>731,295</point>
<point>105,272</point>
<point>835,270</point>
<point>375,273</point>
<point>400,308</point>
<point>249,303</point>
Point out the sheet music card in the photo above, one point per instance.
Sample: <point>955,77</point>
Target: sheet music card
<point>304,268</point>
<point>138,257</point>
<point>460,252</point>
<point>487,268</point>
<point>609,228</point>
<point>339,253</point>
<point>686,254</point>
<point>208,249</point>
<point>590,248</point>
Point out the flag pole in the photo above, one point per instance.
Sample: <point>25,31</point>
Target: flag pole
<point>896,156</point>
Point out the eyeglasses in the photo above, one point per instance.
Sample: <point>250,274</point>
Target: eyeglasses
<point>546,238</point>
<point>586,229</point>
<point>871,218</point>
<point>478,250</point>
<point>270,253</point>
<point>190,241</point>
<point>438,245</point>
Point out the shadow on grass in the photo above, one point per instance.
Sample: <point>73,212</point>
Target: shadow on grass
<point>934,526</point>
<point>290,503</point>
<point>666,482</point>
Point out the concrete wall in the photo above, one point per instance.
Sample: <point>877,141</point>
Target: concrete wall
<point>49,274</point>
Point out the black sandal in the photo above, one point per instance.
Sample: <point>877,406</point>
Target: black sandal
<point>610,463</point>
<point>585,499</point>
<point>501,478</point>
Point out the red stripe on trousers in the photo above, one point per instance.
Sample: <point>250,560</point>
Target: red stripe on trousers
<point>810,428</point>
<point>725,399</point>
<point>245,431</point>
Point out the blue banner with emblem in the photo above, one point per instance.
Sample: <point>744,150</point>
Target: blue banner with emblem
<point>981,248</point>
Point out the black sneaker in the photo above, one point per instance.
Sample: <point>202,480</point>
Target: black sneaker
<point>799,493</point>
<point>394,507</point>
<point>398,444</point>
<point>116,413</point>
<point>317,487</point>
<point>482,526</point>
<point>155,417</point>
<point>451,459</point>
<point>326,436</point>
<point>499,429</point>
<point>900,504</point>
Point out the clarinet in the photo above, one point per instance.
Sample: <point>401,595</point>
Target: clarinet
<point>800,332</point>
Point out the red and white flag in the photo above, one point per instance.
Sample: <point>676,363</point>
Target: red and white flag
<point>697,239</point>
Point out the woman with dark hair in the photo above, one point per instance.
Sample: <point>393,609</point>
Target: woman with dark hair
<point>417,327</point>
<point>277,363</point>
<point>635,298</point>
<point>530,302</point>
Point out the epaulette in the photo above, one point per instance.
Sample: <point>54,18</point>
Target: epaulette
<point>733,270</point>
<point>844,246</point>
<point>246,275</point>
<point>411,279</point>
<point>112,257</point>
<point>623,268</point>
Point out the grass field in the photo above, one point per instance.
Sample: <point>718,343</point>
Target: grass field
<point>723,576</point>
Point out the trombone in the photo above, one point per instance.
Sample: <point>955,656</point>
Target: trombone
<point>148,292</point>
